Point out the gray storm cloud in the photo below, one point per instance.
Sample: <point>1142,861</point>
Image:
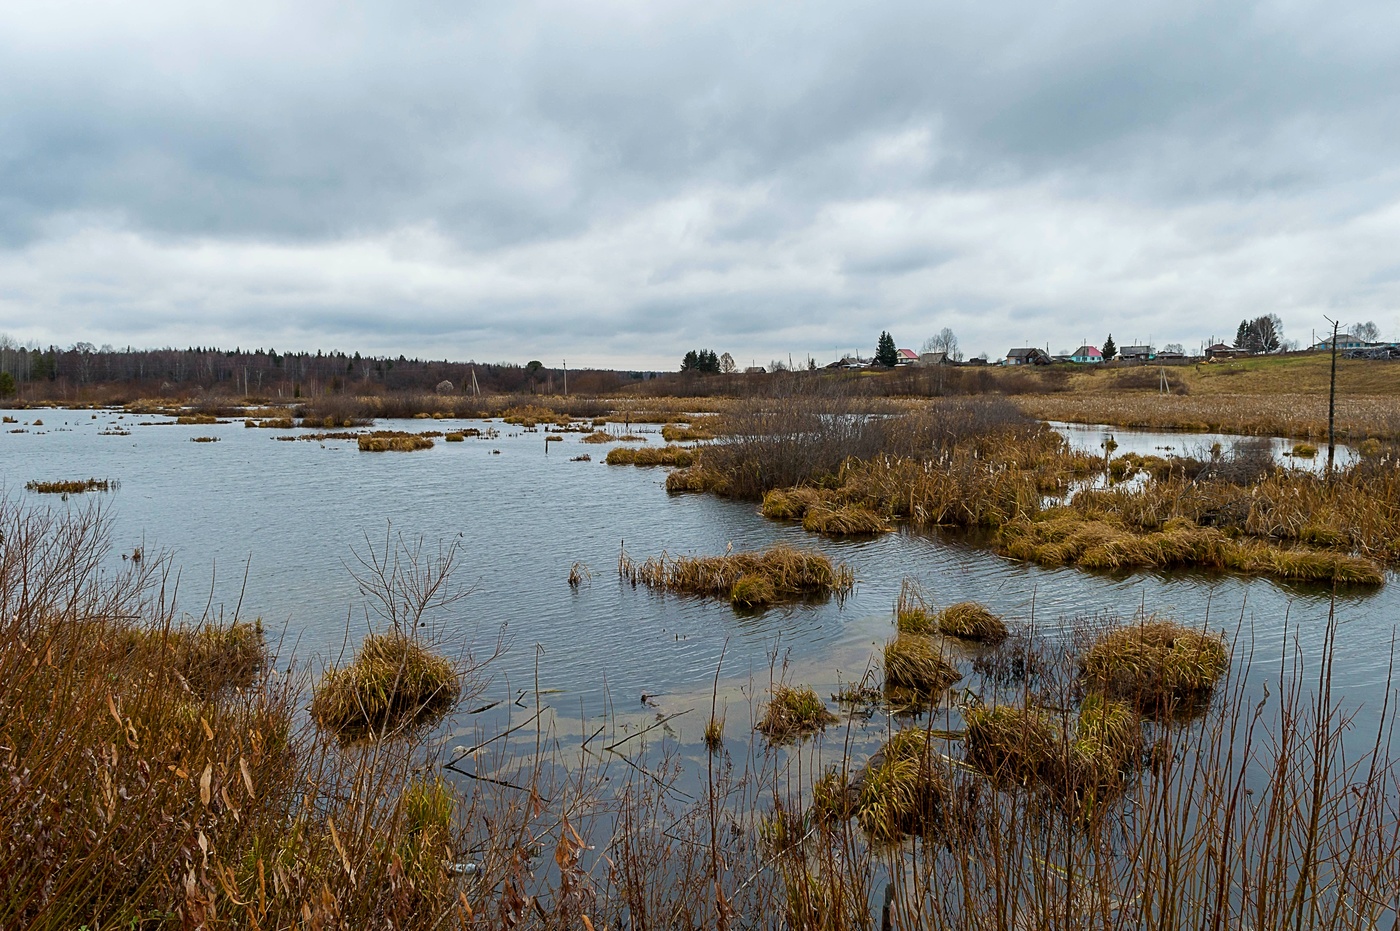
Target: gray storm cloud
<point>619,182</point>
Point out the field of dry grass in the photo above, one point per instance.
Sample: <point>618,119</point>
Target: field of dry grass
<point>1283,395</point>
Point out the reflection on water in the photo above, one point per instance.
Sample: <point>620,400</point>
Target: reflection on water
<point>291,514</point>
<point>1090,438</point>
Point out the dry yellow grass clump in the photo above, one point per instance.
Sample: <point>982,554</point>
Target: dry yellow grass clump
<point>196,419</point>
<point>652,456</point>
<point>846,521</point>
<point>793,710</point>
<point>748,579</point>
<point>70,486</point>
<point>1081,766</point>
<point>901,791</point>
<point>688,433</point>
<point>393,683</point>
<point>915,663</point>
<point>697,478</point>
<point>971,621</point>
<point>792,503</point>
<point>207,659</point>
<point>1158,665</point>
<point>1071,537</point>
<point>383,441</point>
<point>531,415</point>
<point>1011,745</point>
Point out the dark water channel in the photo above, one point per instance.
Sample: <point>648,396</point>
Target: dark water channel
<point>294,513</point>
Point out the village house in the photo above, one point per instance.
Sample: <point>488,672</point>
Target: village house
<point>907,357</point>
<point>932,358</point>
<point>1027,356</point>
<point>1086,355</point>
<point>1345,342</point>
<point>1137,353</point>
<point>1223,351</point>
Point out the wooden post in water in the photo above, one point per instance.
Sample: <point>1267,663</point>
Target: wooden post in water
<point>1332,404</point>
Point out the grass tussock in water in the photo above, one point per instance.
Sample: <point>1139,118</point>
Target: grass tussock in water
<point>851,520</point>
<point>781,573</point>
<point>383,441</point>
<point>969,620</point>
<point>792,503</point>
<point>793,710</point>
<point>532,415</point>
<point>394,683</point>
<point>703,429</point>
<point>681,456</point>
<point>71,486</point>
<point>1159,666</point>
<point>1067,537</point>
<point>455,437</point>
<point>1011,745</point>
<point>915,663</point>
<point>598,436</point>
<point>901,791</point>
<point>714,734</point>
<point>196,419</point>
<point>697,479</point>
<point>911,611</point>
<point>1081,762</point>
<point>204,439</point>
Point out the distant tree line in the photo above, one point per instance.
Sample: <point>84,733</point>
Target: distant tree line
<point>53,372</point>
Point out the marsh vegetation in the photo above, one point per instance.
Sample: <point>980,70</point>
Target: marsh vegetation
<point>980,464</point>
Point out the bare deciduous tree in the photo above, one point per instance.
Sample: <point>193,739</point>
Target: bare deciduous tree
<point>944,341</point>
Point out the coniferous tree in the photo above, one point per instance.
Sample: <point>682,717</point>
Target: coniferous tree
<point>885,352</point>
<point>1243,337</point>
<point>1110,349</point>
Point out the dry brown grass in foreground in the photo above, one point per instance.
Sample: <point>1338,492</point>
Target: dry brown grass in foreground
<point>160,776</point>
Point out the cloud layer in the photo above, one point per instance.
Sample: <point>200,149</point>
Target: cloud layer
<point>614,183</point>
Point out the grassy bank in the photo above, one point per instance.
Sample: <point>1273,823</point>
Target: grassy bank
<point>1263,396</point>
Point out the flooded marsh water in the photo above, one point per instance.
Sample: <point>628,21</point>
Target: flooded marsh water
<point>270,524</point>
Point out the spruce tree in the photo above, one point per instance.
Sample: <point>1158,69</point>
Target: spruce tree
<point>885,352</point>
<point>1110,349</point>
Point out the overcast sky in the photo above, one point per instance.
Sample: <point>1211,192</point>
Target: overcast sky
<point>615,183</point>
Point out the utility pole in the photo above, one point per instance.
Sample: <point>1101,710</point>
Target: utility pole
<point>1332,403</point>
<point>566,378</point>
